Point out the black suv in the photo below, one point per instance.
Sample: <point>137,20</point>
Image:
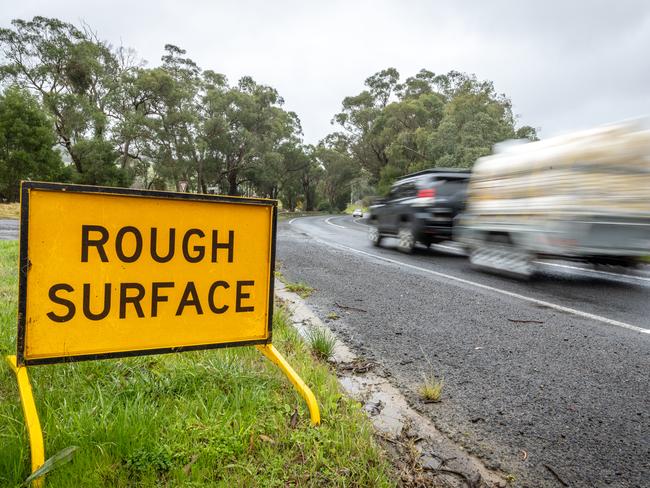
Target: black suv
<point>421,207</point>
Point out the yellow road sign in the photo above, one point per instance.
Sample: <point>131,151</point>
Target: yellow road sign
<point>109,272</point>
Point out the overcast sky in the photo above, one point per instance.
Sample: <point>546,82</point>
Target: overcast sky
<point>565,64</point>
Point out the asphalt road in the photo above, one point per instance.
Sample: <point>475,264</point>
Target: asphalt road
<point>9,229</point>
<point>546,380</point>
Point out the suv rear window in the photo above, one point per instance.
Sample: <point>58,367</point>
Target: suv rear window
<point>449,185</point>
<point>403,190</point>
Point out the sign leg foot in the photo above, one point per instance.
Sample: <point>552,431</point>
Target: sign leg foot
<point>31,417</point>
<point>276,358</point>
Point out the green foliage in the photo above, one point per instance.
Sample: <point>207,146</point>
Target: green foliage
<point>391,128</point>
<point>124,124</point>
<point>98,158</point>
<point>340,169</point>
<point>26,140</point>
<point>76,77</point>
<point>154,458</point>
<point>50,464</point>
<point>251,137</point>
<point>161,126</point>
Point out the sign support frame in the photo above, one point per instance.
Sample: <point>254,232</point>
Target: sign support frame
<point>36,444</point>
<point>19,364</point>
<point>276,358</point>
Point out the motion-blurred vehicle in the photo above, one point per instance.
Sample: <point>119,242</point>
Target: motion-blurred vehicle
<point>582,197</point>
<point>421,207</point>
<point>357,212</point>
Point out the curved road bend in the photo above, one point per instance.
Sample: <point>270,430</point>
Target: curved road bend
<point>541,377</point>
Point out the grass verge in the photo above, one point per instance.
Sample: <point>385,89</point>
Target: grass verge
<point>9,210</point>
<point>213,418</point>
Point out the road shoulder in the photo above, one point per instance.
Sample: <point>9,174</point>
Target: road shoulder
<point>420,452</point>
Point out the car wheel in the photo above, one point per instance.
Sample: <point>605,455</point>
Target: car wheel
<point>406,239</point>
<point>374,235</point>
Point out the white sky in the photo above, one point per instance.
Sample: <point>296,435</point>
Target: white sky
<point>565,64</point>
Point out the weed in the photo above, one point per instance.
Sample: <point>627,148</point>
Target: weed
<point>333,316</point>
<point>322,343</point>
<point>302,289</point>
<point>157,459</point>
<point>431,388</point>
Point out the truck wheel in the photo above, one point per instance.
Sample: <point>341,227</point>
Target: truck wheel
<point>374,236</point>
<point>406,239</point>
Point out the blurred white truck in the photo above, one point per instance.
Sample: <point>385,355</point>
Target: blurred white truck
<point>583,197</point>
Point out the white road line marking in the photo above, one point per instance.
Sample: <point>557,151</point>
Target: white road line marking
<point>554,306</point>
<point>327,221</point>
<point>593,271</point>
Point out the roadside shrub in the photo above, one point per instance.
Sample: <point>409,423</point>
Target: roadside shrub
<point>324,207</point>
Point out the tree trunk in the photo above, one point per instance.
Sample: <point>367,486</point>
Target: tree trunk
<point>125,154</point>
<point>309,195</point>
<point>232,183</point>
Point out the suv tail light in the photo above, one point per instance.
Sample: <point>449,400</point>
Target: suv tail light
<point>425,197</point>
<point>427,193</point>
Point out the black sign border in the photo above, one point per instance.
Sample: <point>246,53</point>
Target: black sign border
<point>24,265</point>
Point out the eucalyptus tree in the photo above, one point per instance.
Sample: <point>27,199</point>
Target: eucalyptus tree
<point>169,121</point>
<point>244,128</point>
<point>360,119</point>
<point>339,167</point>
<point>165,125</point>
<point>76,76</point>
<point>394,128</point>
<point>26,144</point>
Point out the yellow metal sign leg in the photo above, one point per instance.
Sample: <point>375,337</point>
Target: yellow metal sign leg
<point>31,418</point>
<point>275,357</point>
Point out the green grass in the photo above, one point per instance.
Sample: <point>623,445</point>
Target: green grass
<point>322,343</point>
<point>302,289</point>
<point>212,418</point>
<point>431,388</point>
